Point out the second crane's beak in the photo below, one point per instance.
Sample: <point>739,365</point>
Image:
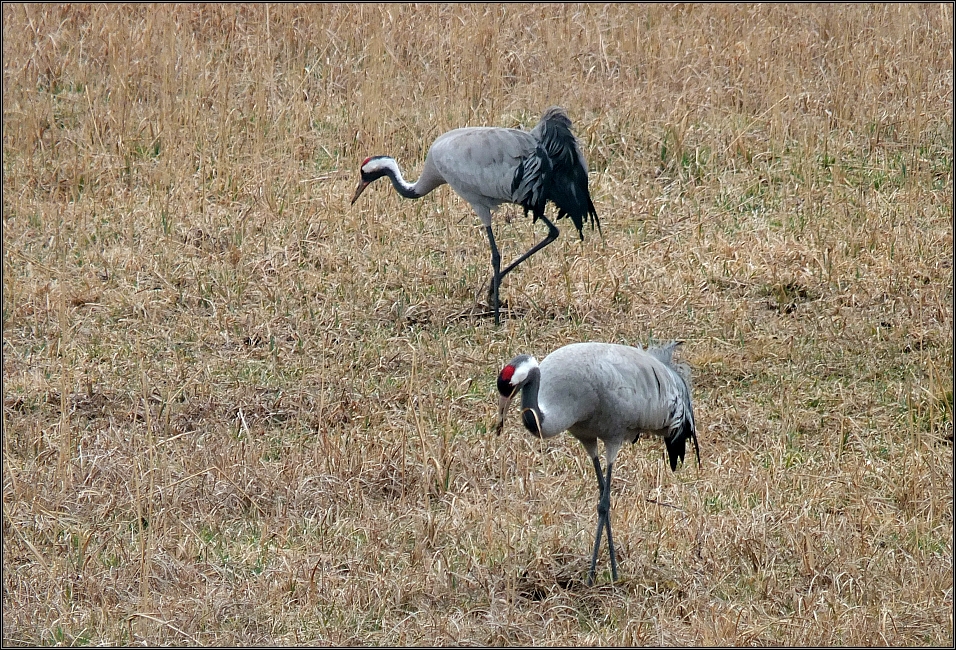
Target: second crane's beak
<point>503,403</point>
<point>358,190</point>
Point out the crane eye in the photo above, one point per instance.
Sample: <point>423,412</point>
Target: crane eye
<point>505,388</point>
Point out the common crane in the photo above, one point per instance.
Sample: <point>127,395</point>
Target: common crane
<point>607,392</point>
<point>488,166</point>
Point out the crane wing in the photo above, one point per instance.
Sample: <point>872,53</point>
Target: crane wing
<point>652,395</point>
<point>480,162</point>
<point>645,390</point>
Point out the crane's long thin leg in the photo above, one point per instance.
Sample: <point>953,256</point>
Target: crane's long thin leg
<point>496,274</point>
<point>604,520</point>
<point>600,524</point>
<point>496,279</point>
<point>606,502</point>
<point>553,233</point>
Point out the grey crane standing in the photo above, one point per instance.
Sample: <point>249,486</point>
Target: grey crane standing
<point>488,166</point>
<point>608,392</point>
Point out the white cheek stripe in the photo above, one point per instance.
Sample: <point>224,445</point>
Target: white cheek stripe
<point>521,372</point>
<point>378,164</point>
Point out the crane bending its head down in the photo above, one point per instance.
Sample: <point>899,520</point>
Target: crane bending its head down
<point>602,391</point>
<point>488,166</point>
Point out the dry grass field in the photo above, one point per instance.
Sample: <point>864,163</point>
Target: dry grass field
<point>238,410</point>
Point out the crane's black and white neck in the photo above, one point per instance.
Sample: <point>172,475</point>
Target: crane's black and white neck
<point>375,167</point>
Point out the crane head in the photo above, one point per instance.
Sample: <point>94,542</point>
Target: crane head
<point>505,392</point>
<point>510,380</point>
<point>373,168</point>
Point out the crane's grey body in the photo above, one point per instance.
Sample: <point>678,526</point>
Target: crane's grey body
<point>613,393</point>
<point>488,166</point>
<point>608,392</point>
<point>479,163</point>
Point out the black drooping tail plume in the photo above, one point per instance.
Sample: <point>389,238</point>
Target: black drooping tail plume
<point>684,429</point>
<point>555,172</point>
<point>677,445</point>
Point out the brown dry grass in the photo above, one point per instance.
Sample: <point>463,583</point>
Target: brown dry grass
<point>238,411</point>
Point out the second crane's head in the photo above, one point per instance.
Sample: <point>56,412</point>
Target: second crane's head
<point>372,169</point>
<point>513,377</point>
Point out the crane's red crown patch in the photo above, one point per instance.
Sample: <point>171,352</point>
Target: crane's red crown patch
<point>507,372</point>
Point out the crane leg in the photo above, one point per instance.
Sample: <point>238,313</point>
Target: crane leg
<point>606,504</point>
<point>496,274</point>
<point>553,233</point>
<point>604,520</point>
<point>499,275</point>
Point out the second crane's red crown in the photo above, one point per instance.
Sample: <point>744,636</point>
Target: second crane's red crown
<point>507,372</point>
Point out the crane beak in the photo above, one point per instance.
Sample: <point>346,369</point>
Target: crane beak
<point>503,403</point>
<point>358,191</point>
